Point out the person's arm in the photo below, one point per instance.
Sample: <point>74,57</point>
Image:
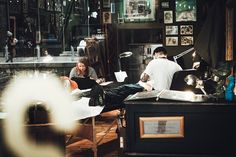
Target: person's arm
<point>144,77</point>
<point>92,73</point>
<point>72,72</point>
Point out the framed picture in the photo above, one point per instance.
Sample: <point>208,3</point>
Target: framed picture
<point>171,30</point>
<point>49,5</point>
<point>106,17</point>
<point>42,4</point>
<point>135,10</point>
<point>106,3</point>
<point>165,5</point>
<point>186,40</point>
<point>113,8</point>
<point>186,10</point>
<point>57,5</point>
<point>161,127</point>
<point>25,6</point>
<point>168,16</point>
<point>171,41</point>
<point>186,29</point>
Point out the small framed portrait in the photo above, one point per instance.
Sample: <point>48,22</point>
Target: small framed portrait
<point>165,4</point>
<point>168,16</point>
<point>171,30</point>
<point>106,17</point>
<point>171,41</point>
<point>186,40</point>
<point>186,29</point>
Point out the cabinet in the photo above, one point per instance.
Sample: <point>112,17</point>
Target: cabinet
<point>136,64</point>
<point>141,39</point>
<point>208,129</point>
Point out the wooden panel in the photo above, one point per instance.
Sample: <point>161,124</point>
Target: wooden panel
<point>229,34</point>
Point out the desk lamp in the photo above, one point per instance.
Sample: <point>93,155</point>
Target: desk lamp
<point>182,54</point>
<point>194,81</point>
<point>121,75</point>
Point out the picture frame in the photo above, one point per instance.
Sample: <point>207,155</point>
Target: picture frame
<point>41,4</point>
<point>25,6</point>
<point>168,16</point>
<point>136,11</point>
<point>106,17</point>
<point>106,3</point>
<point>172,41</point>
<point>161,127</point>
<point>113,8</point>
<point>186,40</point>
<point>186,29</point>
<point>186,10</point>
<point>57,6</point>
<point>165,4</point>
<point>172,30</point>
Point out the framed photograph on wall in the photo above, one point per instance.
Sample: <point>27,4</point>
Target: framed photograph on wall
<point>41,4</point>
<point>168,16</point>
<point>106,17</point>
<point>186,10</point>
<point>186,29</point>
<point>142,10</point>
<point>165,5</point>
<point>171,30</point>
<point>171,41</point>
<point>106,3</point>
<point>186,40</point>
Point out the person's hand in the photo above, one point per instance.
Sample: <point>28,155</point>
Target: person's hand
<point>145,85</point>
<point>100,80</point>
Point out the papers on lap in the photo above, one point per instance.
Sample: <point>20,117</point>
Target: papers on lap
<point>83,110</point>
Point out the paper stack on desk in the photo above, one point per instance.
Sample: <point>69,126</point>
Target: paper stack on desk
<point>143,95</point>
<point>182,96</point>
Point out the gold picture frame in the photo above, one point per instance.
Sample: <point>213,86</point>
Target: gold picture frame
<point>161,127</point>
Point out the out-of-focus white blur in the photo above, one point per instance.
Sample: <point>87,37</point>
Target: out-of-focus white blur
<point>29,88</point>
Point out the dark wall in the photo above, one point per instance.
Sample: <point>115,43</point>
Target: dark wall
<point>3,26</point>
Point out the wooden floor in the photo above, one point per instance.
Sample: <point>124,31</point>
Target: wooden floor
<point>108,147</point>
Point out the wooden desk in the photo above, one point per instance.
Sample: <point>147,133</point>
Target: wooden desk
<point>209,129</point>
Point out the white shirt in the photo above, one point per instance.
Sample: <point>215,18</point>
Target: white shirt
<point>161,71</point>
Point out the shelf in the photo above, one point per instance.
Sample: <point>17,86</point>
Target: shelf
<point>139,26</point>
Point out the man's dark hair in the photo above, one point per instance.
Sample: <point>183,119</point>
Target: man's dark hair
<point>160,50</point>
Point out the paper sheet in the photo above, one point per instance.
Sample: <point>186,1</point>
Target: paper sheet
<point>120,76</point>
<point>83,110</point>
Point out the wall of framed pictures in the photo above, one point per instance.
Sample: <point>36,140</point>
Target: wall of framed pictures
<point>179,17</point>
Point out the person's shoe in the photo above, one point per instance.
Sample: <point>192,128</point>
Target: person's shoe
<point>97,96</point>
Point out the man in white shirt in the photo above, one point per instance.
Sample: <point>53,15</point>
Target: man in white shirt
<point>160,70</point>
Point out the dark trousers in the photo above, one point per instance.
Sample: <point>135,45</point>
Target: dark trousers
<point>10,57</point>
<point>114,97</point>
